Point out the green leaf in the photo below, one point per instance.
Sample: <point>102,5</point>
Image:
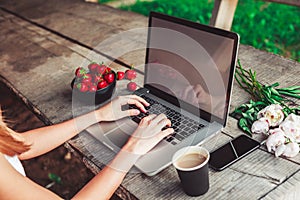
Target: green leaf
<point>274,91</point>
<point>244,126</point>
<point>248,116</point>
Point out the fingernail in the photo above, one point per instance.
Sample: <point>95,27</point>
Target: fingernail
<point>136,112</point>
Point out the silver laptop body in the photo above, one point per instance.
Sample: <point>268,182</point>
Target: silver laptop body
<point>189,71</point>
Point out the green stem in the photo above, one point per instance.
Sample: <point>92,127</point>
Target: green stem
<point>289,94</point>
<point>291,88</point>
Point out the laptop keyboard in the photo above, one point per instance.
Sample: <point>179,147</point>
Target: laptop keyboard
<point>183,126</point>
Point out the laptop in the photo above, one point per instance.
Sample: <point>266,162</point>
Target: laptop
<point>189,70</point>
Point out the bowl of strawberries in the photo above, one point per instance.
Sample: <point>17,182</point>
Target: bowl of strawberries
<point>94,84</point>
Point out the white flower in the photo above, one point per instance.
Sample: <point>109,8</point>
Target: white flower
<point>288,150</point>
<point>291,127</point>
<point>273,113</point>
<point>291,150</point>
<point>260,126</point>
<point>275,139</point>
<point>280,150</point>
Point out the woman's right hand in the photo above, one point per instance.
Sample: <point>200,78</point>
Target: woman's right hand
<point>112,111</point>
<point>148,134</point>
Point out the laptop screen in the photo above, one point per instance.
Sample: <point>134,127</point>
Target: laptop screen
<point>192,63</point>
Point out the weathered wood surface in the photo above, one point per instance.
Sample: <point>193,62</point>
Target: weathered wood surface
<point>223,13</point>
<point>40,51</point>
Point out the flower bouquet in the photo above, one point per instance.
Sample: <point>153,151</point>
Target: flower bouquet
<point>272,111</point>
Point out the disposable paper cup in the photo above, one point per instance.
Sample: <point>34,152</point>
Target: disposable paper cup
<point>194,178</point>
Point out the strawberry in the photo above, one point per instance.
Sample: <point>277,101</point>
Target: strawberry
<point>82,87</point>
<point>102,84</point>
<point>80,72</point>
<point>110,77</point>
<point>93,67</point>
<point>130,74</point>
<point>87,78</point>
<point>101,69</point>
<point>93,88</point>
<point>97,78</point>
<point>120,75</point>
<point>107,70</point>
<point>131,86</point>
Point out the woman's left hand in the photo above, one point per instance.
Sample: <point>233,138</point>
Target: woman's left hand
<point>113,110</point>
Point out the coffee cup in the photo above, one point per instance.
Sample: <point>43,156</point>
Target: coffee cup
<point>191,164</point>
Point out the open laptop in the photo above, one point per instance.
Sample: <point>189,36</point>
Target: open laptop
<point>189,72</point>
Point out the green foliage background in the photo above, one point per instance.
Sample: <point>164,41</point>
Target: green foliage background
<point>268,26</point>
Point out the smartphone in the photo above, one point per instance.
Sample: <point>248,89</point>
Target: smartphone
<point>232,152</point>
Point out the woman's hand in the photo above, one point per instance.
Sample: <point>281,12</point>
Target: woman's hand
<point>144,138</point>
<point>113,110</point>
<point>148,134</point>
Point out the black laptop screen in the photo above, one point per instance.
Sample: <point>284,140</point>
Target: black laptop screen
<point>191,62</point>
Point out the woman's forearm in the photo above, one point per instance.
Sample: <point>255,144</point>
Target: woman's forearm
<point>145,137</point>
<point>108,180</point>
<point>45,139</point>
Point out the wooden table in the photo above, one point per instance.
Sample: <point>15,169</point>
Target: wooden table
<point>41,45</point>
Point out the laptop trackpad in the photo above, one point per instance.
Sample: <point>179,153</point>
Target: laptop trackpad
<point>120,135</point>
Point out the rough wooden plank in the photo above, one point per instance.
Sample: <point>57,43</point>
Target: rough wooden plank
<point>258,173</point>
<point>223,13</point>
<point>127,47</point>
<point>22,57</point>
<point>50,61</point>
<point>95,22</point>
<point>289,190</point>
<point>269,67</point>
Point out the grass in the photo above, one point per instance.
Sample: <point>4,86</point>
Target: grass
<point>268,26</point>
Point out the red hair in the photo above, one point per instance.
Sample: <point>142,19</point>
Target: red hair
<point>11,143</point>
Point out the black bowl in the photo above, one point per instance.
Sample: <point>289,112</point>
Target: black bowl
<point>94,98</point>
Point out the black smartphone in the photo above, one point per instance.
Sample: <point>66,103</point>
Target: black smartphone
<point>232,152</point>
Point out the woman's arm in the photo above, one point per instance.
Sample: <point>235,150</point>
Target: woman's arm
<point>14,186</point>
<point>47,138</point>
<point>148,134</point>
